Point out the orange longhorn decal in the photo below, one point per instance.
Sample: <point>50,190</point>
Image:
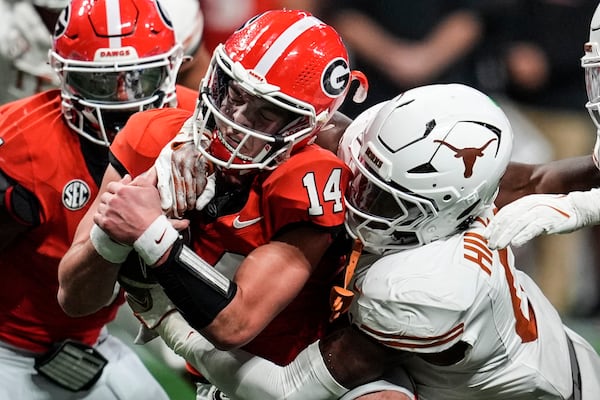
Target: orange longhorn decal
<point>468,155</point>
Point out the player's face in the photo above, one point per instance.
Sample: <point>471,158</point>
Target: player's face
<point>250,112</point>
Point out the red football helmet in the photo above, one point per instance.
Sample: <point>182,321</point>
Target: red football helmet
<point>276,81</point>
<point>113,58</point>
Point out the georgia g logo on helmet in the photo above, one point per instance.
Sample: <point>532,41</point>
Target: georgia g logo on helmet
<point>336,77</point>
<point>62,22</point>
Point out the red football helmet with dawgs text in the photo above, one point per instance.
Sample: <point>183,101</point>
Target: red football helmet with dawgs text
<point>270,88</point>
<point>113,58</point>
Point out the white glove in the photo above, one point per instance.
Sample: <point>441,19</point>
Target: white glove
<point>150,306</point>
<point>208,391</point>
<point>533,215</point>
<point>185,177</point>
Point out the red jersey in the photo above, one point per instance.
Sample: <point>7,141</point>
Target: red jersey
<point>307,188</point>
<point>40,152</point>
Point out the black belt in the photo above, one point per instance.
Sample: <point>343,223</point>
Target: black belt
<point>72,365</point>
<point>575,373</point>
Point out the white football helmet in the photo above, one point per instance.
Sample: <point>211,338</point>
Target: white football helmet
<point>425,165</point>
<point>591,65</point>
<point>188,21</point>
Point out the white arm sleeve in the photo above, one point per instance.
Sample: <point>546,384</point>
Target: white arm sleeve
<point>244,376</point>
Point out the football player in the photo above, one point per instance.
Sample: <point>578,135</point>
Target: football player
<point>112,59</point>
<point>26,29</point>
<point>431,297</point>
<point>277,211</point>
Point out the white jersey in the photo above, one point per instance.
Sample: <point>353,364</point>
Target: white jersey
<point>427,299</point>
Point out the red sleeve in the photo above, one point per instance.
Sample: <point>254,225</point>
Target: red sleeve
<point>186,98</point>
<point>143,137</point>
<point>308,187</point>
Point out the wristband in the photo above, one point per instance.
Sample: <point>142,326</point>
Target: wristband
<point>108,249</point>
<point>156,240</point>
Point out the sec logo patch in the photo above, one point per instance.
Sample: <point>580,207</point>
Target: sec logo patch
<point>76,194</point>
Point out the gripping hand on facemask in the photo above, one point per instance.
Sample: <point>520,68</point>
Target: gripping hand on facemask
<point>533,215</point>
<point>186,179</point>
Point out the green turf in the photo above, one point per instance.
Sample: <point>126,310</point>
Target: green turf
<point>175,384</point>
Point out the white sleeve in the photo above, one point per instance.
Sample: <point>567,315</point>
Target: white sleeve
<point>244,376</point>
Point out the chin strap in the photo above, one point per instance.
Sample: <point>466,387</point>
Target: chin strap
<point>340,298</point>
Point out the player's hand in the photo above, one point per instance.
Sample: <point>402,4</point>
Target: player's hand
<point>150,306</point>
<point>126,209</point>
<point>129,207</point>
<point>533,215</point>
<point>185,178</point>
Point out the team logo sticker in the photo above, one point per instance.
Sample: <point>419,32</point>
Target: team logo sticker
<point>76,194</point>
<point>468,154</point>
<point>336,77</point>
<point>62,22</point>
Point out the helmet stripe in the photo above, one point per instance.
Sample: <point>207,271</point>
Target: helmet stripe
<point>282,42</point>
<point>113,21</point>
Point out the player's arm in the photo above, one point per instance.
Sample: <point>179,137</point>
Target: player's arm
<point>527,211</point>
<point>19,210</point>
<point>351,360</point>
<point>86,279</point>
<point>326,369</point>
<point>230,313</point>
<point>560,176</point>
<point>268,279</point>
<point>245,376</point>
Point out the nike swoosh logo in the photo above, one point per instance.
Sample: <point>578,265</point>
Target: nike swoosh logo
<point>237,224</point>
<point>139,304</point>
<point>157,241</point>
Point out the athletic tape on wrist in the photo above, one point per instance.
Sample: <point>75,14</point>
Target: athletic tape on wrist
<point>110,250</point>
<point>156,240</point>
